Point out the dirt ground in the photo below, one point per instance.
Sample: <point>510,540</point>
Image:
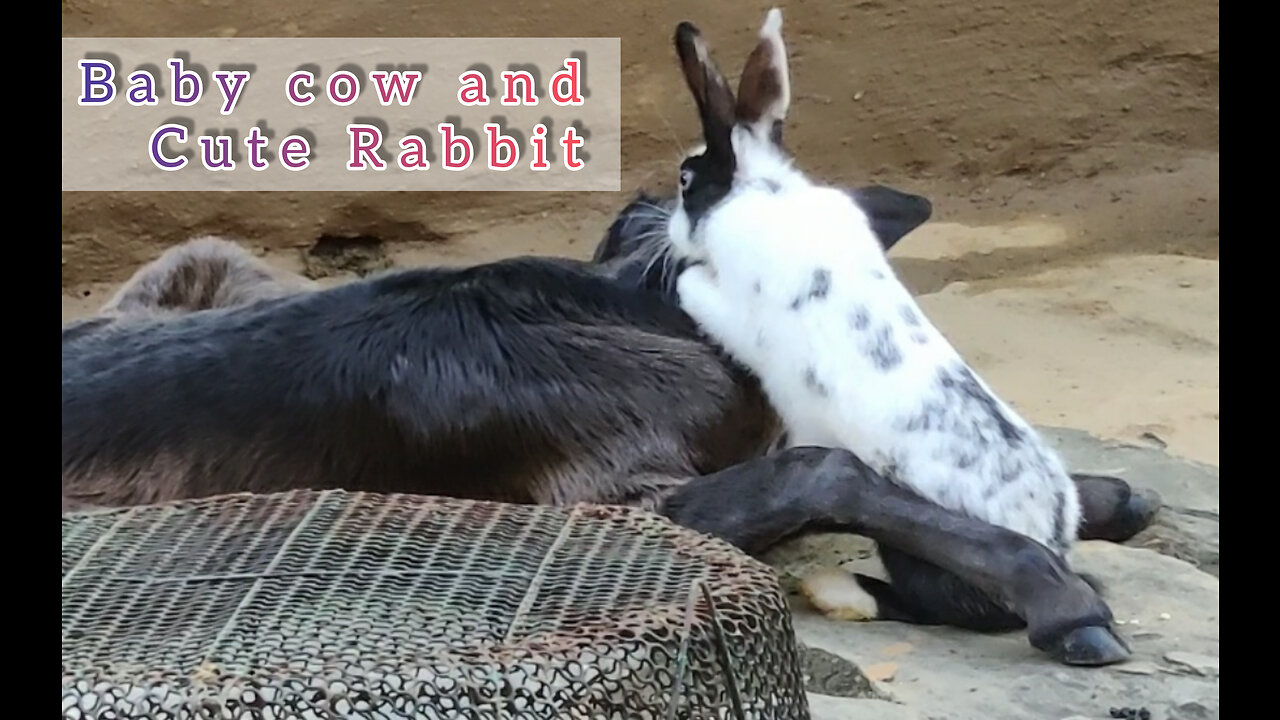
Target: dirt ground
<point>1070,150</point>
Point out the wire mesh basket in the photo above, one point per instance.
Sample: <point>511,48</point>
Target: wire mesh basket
<point>332,604</point>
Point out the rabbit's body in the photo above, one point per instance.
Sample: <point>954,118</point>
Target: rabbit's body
<point>796,287</point>
<point>785,275</point>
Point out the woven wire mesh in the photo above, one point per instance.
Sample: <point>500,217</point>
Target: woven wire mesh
<point>334,604</point>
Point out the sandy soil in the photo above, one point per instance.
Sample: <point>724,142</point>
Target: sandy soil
<point>1071,150</point>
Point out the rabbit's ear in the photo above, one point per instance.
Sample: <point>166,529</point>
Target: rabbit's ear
<point>764,92</point>
<point>710,91</point>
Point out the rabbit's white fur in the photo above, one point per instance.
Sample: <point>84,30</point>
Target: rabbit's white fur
<point>792,282</point>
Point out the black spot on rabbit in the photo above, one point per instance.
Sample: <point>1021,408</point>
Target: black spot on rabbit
<point>929,418</point>
<point>1060,519</point>
<point>860,318</point>
<point>812,382</point>
<point>819,288</point>
<point>909,316</point>
<point>960,384</point>
<point>1010,472</point>
<point>883,350</point>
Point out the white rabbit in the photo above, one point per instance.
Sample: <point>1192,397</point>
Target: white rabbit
<point>788,277</point>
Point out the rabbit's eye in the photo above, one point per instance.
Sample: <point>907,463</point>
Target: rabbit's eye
<point>686,177</point>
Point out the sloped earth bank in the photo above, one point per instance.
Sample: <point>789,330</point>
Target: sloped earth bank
<point>1071,151</point>
<point>996,110</point>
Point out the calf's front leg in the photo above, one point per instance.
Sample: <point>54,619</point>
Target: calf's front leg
<point>758,503</point>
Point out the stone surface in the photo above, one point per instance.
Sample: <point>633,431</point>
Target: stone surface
<point>1199,664</point>
<point>1165,595</point>
<point>1194,710</point>
<point>1187,525</point>
<point>831,675</point>
<point>825,707</point>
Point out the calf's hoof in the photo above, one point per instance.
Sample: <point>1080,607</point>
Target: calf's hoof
<point>1113,510</point>
<point>1090,646</point>
<point>1139,512</point>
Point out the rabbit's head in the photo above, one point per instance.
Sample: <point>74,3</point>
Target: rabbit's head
<point>742,151</point>
<point>634,249</point>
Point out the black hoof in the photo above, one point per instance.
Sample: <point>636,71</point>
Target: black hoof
<point>1137,514</point>
<point>1091,646</point>
<point>1120,512</point>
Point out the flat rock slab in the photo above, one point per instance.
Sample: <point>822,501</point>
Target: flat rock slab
<point>1168,605</point>
<point>1170,610</point>
<point>825,707</point>
<point>1187,525</point>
